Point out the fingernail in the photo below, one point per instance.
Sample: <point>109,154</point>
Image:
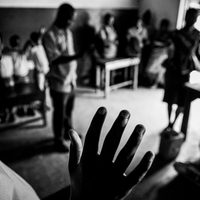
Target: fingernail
<point>150,156</point>
<point>102,110</point>
<point>124,122</point>
<point>140,128</point>
<point>125,114</point>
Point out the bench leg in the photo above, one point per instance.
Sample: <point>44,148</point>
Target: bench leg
<point>98,78</point>
<point>107,83</point>
<point>135,76</point>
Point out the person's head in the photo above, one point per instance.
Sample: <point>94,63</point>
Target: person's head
<point>108,19</point>
<point>15,41</point>
<point>34,37</point>
<point>139,23</point>
<point>164,24</point>
<point>147,17</point>
<point>42,29</point>
<point>191,17</point>
<point>65,16</point>
<point>27,46</point>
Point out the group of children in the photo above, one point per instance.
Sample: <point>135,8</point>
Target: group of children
<point>22,65</point>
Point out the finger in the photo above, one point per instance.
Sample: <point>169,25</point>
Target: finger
<point>76,149</point>
<point>90,150</point>
<point>113,137</point>
<point>138,173</point>
<point>126,155</point>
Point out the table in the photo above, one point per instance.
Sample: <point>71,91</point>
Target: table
<point>104,68</point>
<point>193,92</point>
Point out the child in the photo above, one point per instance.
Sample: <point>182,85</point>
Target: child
<point>21,70</point>
<point>40,60</point>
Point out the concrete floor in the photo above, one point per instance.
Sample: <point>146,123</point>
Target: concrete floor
<point>29,149</point>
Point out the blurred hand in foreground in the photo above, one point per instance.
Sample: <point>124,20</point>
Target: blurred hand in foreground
<point>96,176</point>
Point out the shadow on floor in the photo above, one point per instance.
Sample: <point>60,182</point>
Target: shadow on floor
<point>179,188</point>
<point>22,124</point>
<point>61,195</point>
<point>158,163</point>
<point>174,187</point>
<point>27,150</point>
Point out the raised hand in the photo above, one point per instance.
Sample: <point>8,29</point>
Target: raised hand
<point>96,176</point>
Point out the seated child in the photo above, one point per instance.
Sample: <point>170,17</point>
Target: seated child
<point>21,70</point>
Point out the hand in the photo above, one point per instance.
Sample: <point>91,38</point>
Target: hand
<point>95,175</point>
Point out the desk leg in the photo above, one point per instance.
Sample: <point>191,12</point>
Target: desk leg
<point>98,78</point>
<point>44,108</point>
<point>126,73</point>
<point>186,114</point>
<point>135,76</point>
<point>107,83</point>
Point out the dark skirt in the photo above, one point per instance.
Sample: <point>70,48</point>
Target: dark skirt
<point>174,91</point>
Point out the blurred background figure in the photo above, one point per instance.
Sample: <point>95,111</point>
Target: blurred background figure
<point>180,64</point>
<point>6,79</point>
<point>154,69</point>
<point>40,60</point>
<point>107,38</point>
<point>137,36</point>
<point>59,47</point>
<point>41,32</point>
<point>21,69</point>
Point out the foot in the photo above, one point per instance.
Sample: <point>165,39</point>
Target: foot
<point>167,129</point>
<point>170,125</point>
<point>188,170</point>
<point>11,118</point>
<point>62,145</point>
<point>30,112</point>
<point>21,112</point>
<point>2,119</point>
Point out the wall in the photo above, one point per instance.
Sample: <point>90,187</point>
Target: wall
<point>161,9</point>
<point>123,4</point>
<point>24,17</point>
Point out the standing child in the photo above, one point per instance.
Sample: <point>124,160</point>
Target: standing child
<point>40,60</point>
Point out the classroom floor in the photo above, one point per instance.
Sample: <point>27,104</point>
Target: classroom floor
<point>29,149</point>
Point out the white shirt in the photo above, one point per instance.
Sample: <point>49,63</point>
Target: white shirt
<point>6,69</point>
<point>14,187</point>
<point>59,42</point>
<point>40,59</point>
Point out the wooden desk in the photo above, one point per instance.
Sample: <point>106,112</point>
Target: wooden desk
<point>104,68</point>
<point>193,92</point>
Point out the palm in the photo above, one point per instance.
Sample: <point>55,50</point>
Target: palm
<point>95,175</point>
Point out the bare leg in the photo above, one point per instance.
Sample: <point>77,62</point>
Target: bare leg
<point>178,111</point>
<point>169,109</point>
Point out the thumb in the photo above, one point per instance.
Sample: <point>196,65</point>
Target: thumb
<point>76,149</point>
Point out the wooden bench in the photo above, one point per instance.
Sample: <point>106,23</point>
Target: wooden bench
<point>104,68</point>
<point>24,94</point>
